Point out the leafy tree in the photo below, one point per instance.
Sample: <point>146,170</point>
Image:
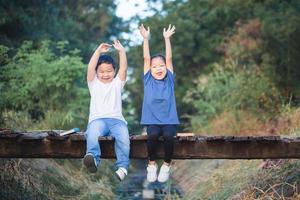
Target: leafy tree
<point>203,26</point>
<point>83,23</point>
<point>38,81</point>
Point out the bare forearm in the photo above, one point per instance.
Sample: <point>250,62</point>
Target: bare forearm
<point>123,65</point>
<point>168,48</point>
<point>92,65</point>
<point>146,53</point>
<point>169,54</point>
<point>146,50</point>
<point>167,34</point>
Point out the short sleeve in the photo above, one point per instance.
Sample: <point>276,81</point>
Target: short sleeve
<point>146,77</point>
<point>91,83</point>
<point>120,82</point>
<point>171,76</point>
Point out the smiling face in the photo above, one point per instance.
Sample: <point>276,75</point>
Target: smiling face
<point>158,68</point>
<point>105,72</point>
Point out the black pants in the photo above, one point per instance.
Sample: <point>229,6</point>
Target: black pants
<point>168,132</point>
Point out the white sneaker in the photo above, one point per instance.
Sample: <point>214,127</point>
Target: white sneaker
<point>151,173</point>
<point>121,173</point>
<point>164,173</point>
<point>90,162</point>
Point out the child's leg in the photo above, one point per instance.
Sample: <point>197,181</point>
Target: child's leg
<point>153,132</point>
<point>95,129</point>
<point>169,131</point>
<point>118,130</point>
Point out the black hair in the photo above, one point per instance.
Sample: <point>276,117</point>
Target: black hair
<point>158,56</point>
<point>105,59</point>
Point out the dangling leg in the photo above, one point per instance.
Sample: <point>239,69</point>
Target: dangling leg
<point>93,152</point>
<point>118,130</point>
<point>169,132</point>
<point>153,132</point>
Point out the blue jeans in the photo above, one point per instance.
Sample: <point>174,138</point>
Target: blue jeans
<point>105,127</point>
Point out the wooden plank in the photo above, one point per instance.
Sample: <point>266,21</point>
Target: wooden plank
<point>41,145</point>
<point>5,131</point>
<point>185,134</point>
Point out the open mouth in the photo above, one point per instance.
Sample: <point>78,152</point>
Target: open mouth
<point>159,73</point>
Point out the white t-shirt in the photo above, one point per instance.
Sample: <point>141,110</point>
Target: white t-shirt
<point>106,99</point>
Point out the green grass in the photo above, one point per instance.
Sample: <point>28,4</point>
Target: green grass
<point>53,182</point>
<point>49,179</point>
<point>232,177</point>
<point>281,180</point>
<point>225,181</point>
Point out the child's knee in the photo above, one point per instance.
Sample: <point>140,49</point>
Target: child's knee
<point>92,136</point>
<point>96,126</point>
<point>122,137</point>
<point>121,128</point>
<point>169,131</point>
<point>153,136</point>
<point>169,135</point>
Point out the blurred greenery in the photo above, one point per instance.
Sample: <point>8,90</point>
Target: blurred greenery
<point>236,63</point>
<point>228,55</point>
<point>84,23</point>
<point>45,85</point>
<point>229,89</point>
<point>247,51</point>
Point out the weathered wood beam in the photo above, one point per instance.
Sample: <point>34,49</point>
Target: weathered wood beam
<point>41,145</point>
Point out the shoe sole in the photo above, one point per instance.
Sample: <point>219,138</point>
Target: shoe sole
<point>162,181</point>
<point>89,162</point>
<point>118,177</point>
<point>152,181</point>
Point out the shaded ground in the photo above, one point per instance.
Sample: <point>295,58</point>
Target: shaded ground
<point>136,185</point>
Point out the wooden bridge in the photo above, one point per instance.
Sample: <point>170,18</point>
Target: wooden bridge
<point>43,144</point>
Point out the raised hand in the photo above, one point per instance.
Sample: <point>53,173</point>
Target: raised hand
<point>146,52</point>
<point>169,32</point>
<point>144,32</point>
<point>91,72</point>
<point>104,47</point>
<point>118,46</point>
<point>122,59</point>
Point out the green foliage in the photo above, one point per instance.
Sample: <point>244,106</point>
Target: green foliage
<point>245,180</point>
<point>54,179</point>
<point>271,43</point>
<point>84,23</point>
<point>231,89</point>
<point>261,35</point>
<point>3,55</point>
<point>220,179</point>
<point>60,185</point>
<point>45,85</point>
<point>281,32</point>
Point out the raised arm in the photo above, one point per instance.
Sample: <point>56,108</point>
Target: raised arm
<point>146,52</point>
<point>167,35</point>
<point>122,60</point>
<point>91,71</point>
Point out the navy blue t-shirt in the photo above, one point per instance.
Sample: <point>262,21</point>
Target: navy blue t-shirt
<point>159,105</point>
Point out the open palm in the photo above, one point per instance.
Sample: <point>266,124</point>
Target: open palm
<point>169,32</point>
<point>144,32</point>
<point>118,46</point>
<point>104,47</point>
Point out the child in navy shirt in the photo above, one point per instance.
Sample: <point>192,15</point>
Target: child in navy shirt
<point>159,112</point>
